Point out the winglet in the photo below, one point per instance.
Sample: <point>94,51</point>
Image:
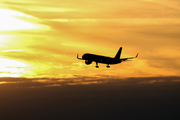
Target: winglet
<point>137,55</point>
<point>79,58</point>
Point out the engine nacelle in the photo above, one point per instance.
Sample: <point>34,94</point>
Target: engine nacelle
<point>88,62</point>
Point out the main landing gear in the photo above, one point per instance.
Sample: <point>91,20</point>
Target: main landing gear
<point>97,65</point>
<point>108,66</point>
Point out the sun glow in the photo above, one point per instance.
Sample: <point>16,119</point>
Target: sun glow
<point>12,68</point>
<point>13,20</point>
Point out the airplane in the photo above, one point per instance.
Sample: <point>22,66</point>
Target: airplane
<point>89,58</point>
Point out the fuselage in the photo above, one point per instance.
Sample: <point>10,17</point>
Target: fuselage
<point>100,59</point>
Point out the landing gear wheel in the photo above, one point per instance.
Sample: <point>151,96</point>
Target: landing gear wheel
<point>97,66</point>
<point>108,66</point>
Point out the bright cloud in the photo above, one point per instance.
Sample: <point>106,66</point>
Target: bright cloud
<point>100,27</point>
<point>12,20</point>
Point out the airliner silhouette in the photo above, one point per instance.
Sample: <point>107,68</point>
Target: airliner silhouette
<point>89,58</point>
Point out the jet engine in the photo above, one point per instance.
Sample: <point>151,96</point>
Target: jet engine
<point>88,62</point>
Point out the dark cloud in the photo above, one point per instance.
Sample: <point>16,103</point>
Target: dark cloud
<point>84,80</point>
<point>111,98</point>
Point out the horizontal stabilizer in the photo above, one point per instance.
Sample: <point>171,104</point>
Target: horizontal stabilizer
<point>126,59</point>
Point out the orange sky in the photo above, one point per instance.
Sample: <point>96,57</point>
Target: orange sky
<point>42,38</point>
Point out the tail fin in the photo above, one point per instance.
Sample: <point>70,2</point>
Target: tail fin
<point>118,55</point>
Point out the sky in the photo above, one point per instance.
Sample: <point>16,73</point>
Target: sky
<point>40,40</point>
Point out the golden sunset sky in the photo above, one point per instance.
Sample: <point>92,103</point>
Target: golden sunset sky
<point>42,79</point>
<point>41,38</point>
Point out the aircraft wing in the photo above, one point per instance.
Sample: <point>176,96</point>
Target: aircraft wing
<point>124,59</point>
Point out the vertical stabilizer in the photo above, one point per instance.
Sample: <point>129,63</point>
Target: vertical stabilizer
<point>118,55</point>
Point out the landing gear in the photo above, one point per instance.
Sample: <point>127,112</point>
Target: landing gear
<point>108,66</point>
<point>97,65</point>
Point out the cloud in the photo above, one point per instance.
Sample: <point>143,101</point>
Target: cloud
<point>59,84</point>
<point>168,3</point>
<point>87,80</point>
<point>14,21</point>
<point>105,97</point>
<point>128,22</point>
<point>81,9</point>
<point>99,27</point>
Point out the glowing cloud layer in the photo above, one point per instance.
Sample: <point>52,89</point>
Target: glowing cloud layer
<point>13,20</point>
<point>48,35</point>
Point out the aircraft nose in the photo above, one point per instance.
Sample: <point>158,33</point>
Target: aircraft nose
<point>84,56</point>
